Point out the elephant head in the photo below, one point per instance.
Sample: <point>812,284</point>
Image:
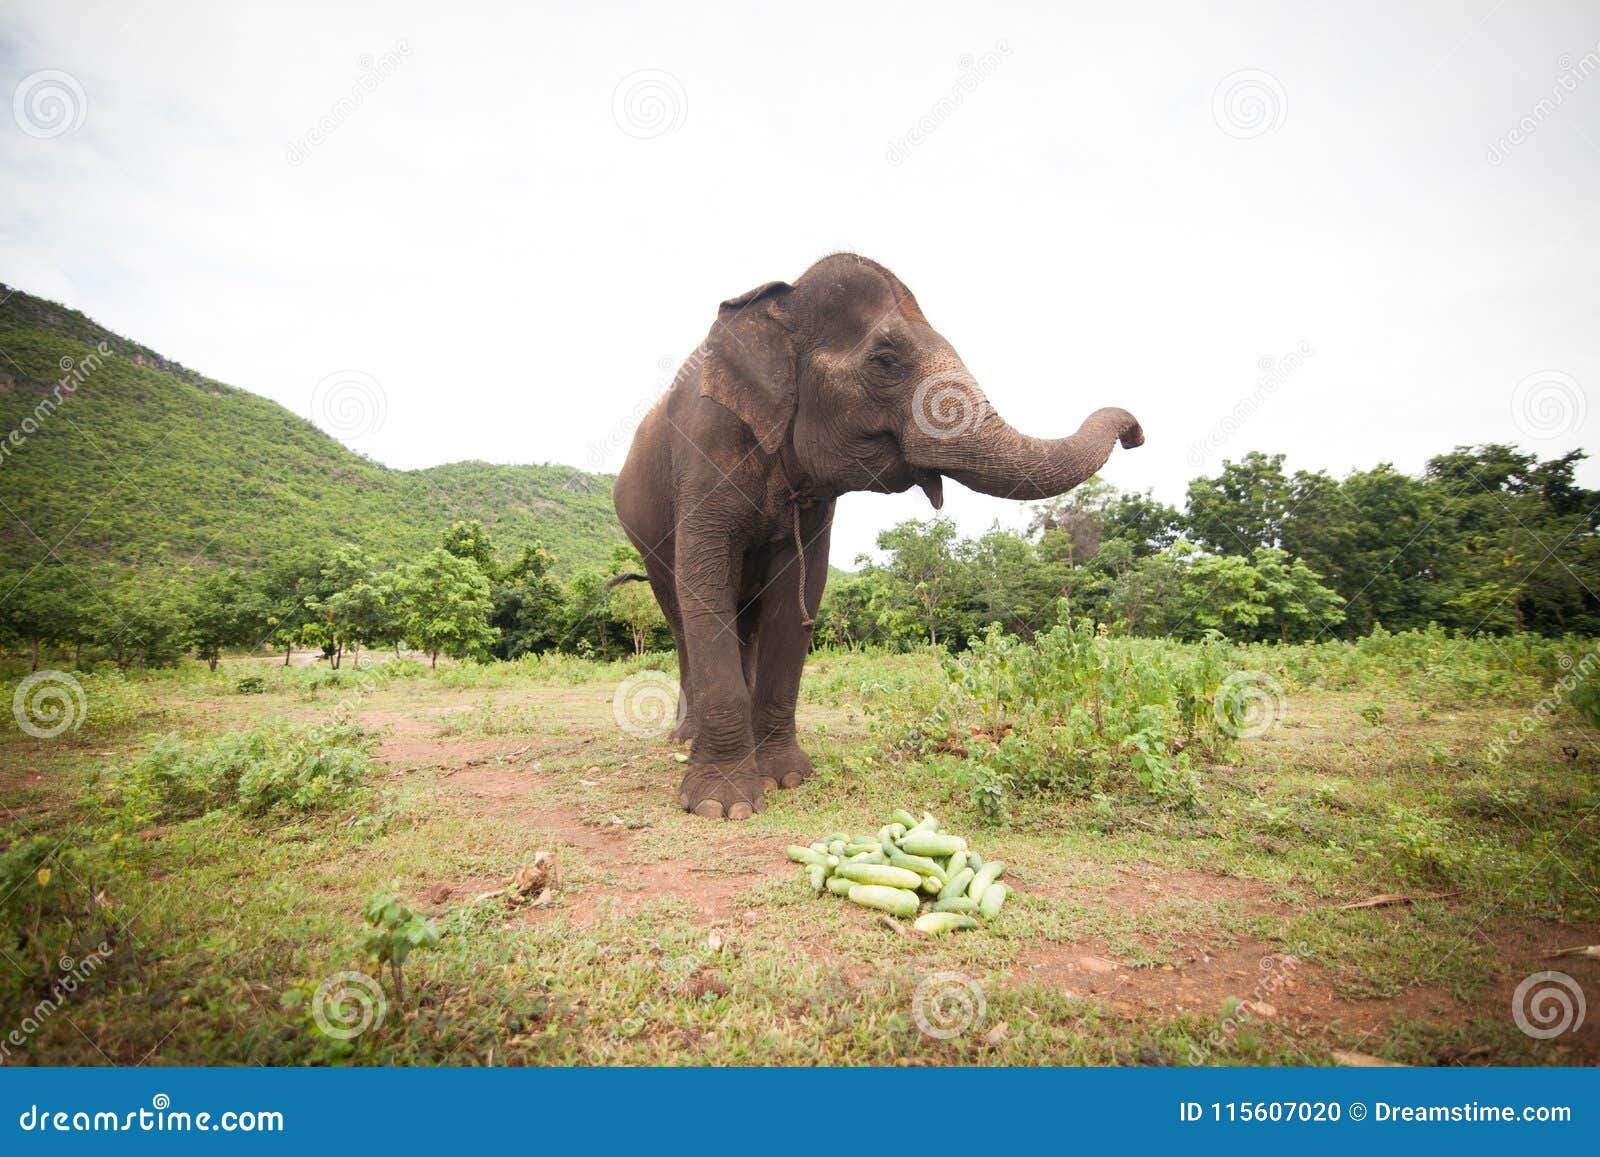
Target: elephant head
<point>844,363</point>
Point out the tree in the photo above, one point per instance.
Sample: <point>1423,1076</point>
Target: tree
<point>225,610</point>
<point>471,540</point>
<point>1243,507</point>
<point>445,605</point>
<point>529,605</point>
<point>634,605</point>
<point>924,564</point>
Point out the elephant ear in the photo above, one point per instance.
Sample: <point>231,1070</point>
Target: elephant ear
<point>750,363</point>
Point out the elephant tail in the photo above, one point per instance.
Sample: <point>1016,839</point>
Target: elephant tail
<point>630,577</point>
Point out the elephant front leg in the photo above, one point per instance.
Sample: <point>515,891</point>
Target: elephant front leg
<point>785,641</point>
<point>721,779</point>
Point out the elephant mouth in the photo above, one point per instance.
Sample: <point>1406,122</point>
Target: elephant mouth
<point>932,484</point>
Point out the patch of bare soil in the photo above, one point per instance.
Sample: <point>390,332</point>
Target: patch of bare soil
<point>513,789</point>
<point>1302,995</point>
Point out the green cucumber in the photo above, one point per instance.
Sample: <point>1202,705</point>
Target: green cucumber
<point>926,843</point>
<point>931,885</point>
<point>903,818</point>
<point>875,856</point>
<point>957,884</point>
<point>840,885</point>
<point>882,875</point>
<point>987,875</point>
<point>926,824</point>
<point>895,901</point>
<point>963,904</point>
<point>819,877</point>
<point>955,864</point>
<point>802,855</point>
<point>934,923</point>
<point>993,896</point>
<point>921,865</point>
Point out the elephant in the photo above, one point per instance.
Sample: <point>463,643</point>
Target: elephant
<point>800,393</point>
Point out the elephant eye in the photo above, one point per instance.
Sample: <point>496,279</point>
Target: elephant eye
<point>884,358</point>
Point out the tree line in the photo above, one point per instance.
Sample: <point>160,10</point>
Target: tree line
<point>1485,540</point>
<point>459,599</point>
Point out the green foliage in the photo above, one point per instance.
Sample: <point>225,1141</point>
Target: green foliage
<point>275,769</point>
<point>51,908</point>
<point>143,468</point>
<point>395,932</point>
<point>445,604</point>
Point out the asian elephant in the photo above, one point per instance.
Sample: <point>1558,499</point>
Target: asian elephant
<point>798,394</point>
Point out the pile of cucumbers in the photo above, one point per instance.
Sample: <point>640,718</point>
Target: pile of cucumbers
<point>909,863</point>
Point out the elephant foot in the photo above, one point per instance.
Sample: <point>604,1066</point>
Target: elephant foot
<point>722,790</point>
<point>785,765</point>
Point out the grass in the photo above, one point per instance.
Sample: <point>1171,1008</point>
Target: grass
<point>670,940</point>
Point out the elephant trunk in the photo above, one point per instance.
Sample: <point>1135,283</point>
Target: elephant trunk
<point>959,434</point>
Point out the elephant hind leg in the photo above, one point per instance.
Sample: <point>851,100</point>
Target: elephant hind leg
<point>665,588</point>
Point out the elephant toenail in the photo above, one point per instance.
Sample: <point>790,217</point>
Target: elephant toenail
<point>769,783</point>
<point>740,811</point>
<point>709,808</point>
<point>793,779</point>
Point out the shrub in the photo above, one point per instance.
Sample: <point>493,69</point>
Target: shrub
<point>275,768</point>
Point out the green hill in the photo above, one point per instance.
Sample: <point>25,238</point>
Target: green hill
<point>112,456</point>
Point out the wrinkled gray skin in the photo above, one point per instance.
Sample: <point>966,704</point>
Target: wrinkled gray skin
<point>832,384</point>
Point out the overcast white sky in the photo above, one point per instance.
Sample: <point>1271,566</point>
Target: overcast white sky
<point>537,211</point>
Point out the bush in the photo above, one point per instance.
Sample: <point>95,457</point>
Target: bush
<point>51,898</point>
<point>271,769</point>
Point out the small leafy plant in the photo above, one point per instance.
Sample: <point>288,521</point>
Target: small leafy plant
<point>395,931</point>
